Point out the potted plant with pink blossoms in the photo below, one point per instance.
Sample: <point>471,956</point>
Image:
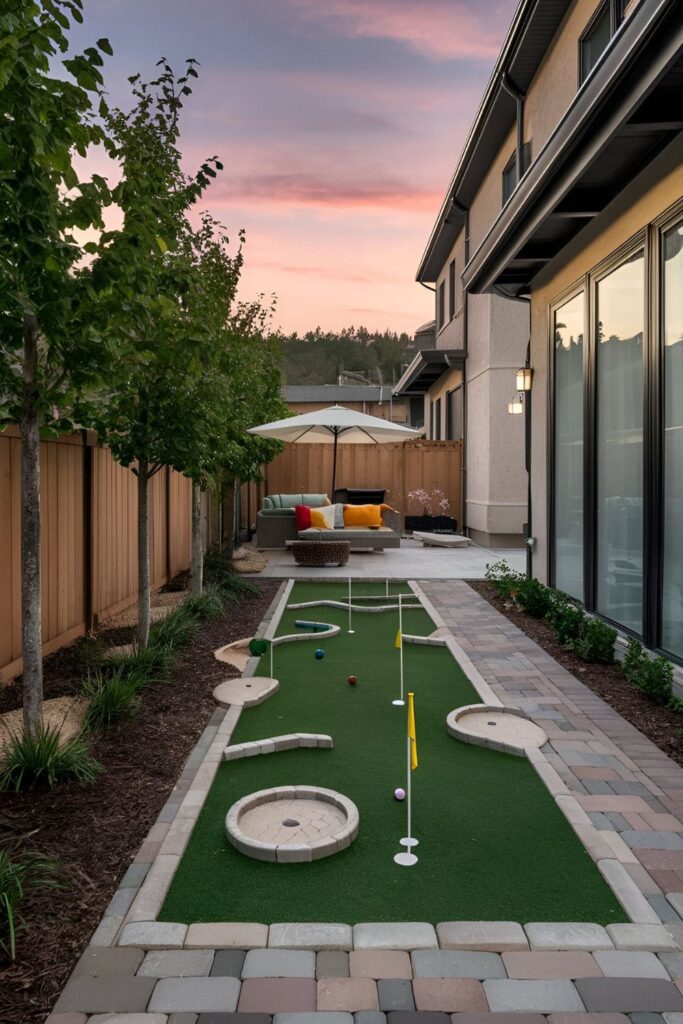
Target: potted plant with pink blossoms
<point>431,517</point>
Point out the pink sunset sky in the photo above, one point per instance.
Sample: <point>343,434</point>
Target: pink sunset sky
<point>339,123</point>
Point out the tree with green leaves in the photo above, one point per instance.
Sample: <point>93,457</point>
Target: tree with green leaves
<point>143,279</point>
<point>239,381</point>
<point>51,356</point>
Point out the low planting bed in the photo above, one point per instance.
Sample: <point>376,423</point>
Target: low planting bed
<point>95,831</point>
<point>661,724</point>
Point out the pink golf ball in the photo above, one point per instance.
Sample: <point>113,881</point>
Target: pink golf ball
<point>399,794</point>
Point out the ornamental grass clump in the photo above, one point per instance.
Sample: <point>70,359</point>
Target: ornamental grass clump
<point>43,758</point>
<point>176,631</point>
<point>208,605</point>
<point>653,676</point>
<point>18,877</point>
<point>111,698</point>
<point>153,664</point>
<point>595,642</point>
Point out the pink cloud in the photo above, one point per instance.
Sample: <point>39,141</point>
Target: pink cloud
<point>442,29</point>
<point>356,276</point>
<point>321,190</point>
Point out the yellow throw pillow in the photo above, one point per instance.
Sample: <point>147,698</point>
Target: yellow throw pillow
<point>363,515</point>
<point>323,518</point>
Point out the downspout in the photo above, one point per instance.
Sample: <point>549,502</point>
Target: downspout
<point>518,97</point>
<point>527,435</point>
<point>465,212</point>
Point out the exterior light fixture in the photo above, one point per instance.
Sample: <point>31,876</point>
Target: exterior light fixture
<point>524,377</point>
<point>516,406</point>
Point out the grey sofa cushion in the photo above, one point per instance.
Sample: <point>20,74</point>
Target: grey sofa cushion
<point>290,500</point>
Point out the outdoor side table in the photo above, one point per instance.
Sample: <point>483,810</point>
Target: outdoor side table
<point>319,553</point>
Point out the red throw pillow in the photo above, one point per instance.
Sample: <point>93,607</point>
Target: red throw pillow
<point>303,517</point>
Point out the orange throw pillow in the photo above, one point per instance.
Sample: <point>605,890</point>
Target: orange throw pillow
<point>363,515</point>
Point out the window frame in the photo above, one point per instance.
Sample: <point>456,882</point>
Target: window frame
<point>451,289</point>
<point>441,306</point>
<point>616,17</point>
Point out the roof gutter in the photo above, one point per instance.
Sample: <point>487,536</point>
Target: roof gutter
<point>521,16</point>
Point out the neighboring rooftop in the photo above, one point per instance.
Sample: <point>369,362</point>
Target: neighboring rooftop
<point>336,393</point>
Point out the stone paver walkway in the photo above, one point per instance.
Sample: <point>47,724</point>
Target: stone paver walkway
<point>628,789</point>
<point>140,971</point>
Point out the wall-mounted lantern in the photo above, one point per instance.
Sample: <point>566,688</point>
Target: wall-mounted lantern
<point>516,406</point>
<point>524,377</point>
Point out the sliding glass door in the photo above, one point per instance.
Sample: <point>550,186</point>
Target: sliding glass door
<point>619,322</point>
<point>672,455</point>
<point>568,330</point>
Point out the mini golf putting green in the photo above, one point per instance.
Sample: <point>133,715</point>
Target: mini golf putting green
<point>493,844</point>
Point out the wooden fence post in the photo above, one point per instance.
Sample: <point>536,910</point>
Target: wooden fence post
<point>168,524</point>
<point>88,512</point>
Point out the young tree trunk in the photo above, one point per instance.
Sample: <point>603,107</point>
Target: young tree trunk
<point>229,518</point>
<point>143,554</point>
<point>197,547</point>
<point>31,624</point>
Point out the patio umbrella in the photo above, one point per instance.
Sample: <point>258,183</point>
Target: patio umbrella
<point>335,424</point>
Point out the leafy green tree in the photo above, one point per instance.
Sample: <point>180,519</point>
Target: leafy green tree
<point>143,278</point>
<point>50,354</point>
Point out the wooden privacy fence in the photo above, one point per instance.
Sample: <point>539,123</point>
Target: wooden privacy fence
<point>89,539</point>
<point>399,468</point>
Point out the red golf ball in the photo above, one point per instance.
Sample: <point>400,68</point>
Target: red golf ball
<point>352,680</point>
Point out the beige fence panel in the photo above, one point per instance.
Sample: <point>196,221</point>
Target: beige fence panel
<point>89,539</point>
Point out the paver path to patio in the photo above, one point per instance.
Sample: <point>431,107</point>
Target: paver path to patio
<point>479,972</point>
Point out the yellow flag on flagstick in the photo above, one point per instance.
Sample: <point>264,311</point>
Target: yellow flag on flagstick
<point>397,642</point>
<point>411,732</point>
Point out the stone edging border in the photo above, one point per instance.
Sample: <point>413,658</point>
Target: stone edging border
<point>130,919</point>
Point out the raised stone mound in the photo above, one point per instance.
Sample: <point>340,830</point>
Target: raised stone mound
<point>245,692</point>
<point>236,654</point>
<point>485,725</point>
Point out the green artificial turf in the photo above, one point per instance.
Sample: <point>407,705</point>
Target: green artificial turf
<point>493,844</point>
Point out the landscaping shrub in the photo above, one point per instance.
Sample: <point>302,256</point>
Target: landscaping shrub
<point>502,578</point>
<point>532,596</point>
<point>234,587</point>
<point>111,697</point>
<point>565,617</point>
<point>176,631</point>
<point>218,572</point>
<point>595,642</point>
<point>654,676</point>
<point>208,605</point>
<point>151,665</point>
<point>17,878</point>
<point>41,758</point>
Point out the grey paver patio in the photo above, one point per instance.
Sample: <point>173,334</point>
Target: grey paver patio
<point>195,994</point>
<point>279,963</point>
<point>177,963</point>
<point>627,995</point>
<point>446,963</point>
<point>395,994</point>
<point>532,996</point>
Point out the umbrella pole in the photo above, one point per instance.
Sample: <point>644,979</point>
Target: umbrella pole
<point>334,464</point>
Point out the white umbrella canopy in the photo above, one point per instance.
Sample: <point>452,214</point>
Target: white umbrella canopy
<point>333,425</point>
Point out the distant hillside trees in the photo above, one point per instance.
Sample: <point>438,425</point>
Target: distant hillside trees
<point>318,357</point>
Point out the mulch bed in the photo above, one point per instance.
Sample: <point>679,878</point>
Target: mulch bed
<point>659,724</point>
<point>96,831</point>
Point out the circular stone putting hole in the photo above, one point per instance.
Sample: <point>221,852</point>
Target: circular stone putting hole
<point>292,823</point>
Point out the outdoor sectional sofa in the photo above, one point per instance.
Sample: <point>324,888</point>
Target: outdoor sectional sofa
<point>276,525</point>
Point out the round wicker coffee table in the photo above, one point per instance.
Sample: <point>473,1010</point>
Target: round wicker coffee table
<point>319,553</point>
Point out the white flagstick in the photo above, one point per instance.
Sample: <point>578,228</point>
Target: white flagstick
<point>271,659</point>
<point>400,702</point>
<point>350,630</point>
<point>386,586</point>
<point>406,858</point>
<point>408,840</point>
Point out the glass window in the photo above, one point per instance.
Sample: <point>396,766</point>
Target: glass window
<point>672,336</point>
<point>595,40</point>
<point>619,443</point>
<point>454,415</point>
<point>442,305</point>
<point>568,325</point>
<point>451,289</point>
<point>510,171</point>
